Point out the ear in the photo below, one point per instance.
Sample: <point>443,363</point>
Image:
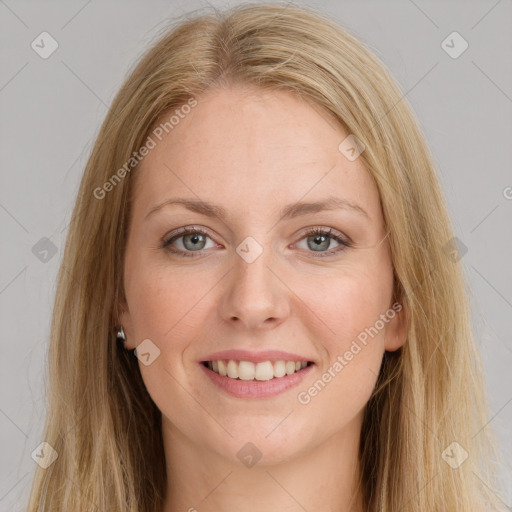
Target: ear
<point>124,318</point>
<point>396,331</point>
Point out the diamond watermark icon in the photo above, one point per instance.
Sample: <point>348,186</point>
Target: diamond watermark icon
<point>44,45</point>
<point>351,147</point>
<point>454,455</point>
<point>44,250</point>
<point>146,352</point>
<point>454,45</point>
<point>455,249</point>
<point>249,249</point>
<point>44,455</point>
<point>249,455</point>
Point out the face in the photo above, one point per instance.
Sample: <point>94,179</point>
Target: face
<point>252,278</point>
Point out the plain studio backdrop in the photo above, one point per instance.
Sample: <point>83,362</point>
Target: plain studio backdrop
<point>452,60</point>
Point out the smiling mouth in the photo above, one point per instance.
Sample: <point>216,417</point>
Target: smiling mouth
<point>262,371</point>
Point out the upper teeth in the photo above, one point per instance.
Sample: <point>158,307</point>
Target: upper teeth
<point>246,370</point>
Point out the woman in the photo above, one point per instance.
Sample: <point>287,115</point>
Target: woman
<point>261,225</point>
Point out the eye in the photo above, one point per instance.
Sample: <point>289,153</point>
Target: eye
<point>193,240</point>
<point>318,239</point>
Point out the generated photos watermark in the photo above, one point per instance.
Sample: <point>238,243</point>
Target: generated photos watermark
<point>137,156</point>
<point>342,360</point>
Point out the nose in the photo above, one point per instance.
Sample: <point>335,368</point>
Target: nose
<point>255,296</point>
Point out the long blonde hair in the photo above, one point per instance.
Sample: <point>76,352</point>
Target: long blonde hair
<point>100,418</point>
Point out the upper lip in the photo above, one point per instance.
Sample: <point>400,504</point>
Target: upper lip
<point>254,357</point>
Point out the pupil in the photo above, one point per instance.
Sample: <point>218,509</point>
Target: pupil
<point>195,239</point>
<point>319,239</point>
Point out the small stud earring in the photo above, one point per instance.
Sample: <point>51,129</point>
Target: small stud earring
<point>121,335</point>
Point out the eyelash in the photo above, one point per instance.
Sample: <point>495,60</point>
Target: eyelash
<point>311,232</point>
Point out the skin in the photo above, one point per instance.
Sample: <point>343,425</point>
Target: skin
<point>254,152</point>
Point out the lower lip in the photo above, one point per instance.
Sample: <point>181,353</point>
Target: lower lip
<point>257,388</point>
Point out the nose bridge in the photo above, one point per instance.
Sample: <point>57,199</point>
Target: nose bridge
<point>254,294</point>
<point>252,267</point>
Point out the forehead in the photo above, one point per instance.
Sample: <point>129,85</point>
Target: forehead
<point>247,148</point>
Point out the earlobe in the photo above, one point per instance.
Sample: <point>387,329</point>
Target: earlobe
<point>396,333</point>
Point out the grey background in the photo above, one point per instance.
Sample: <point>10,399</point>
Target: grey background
<point>51,110</point>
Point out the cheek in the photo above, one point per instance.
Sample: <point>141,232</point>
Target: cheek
<point>346,304</point>
<point>167,303</point>
<point>340,391</point>
<point>167,307</point>
<point>350,338</point>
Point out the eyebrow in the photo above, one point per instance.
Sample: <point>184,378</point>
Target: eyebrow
<point>288,212</point>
